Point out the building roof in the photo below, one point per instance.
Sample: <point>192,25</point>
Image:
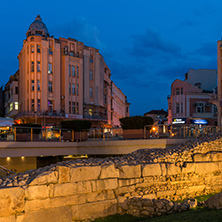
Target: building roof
<point>37,28</point>
<point>157,112</point>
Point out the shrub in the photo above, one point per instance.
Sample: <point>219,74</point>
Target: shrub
<point>135,122</point>
<point>76,125</point>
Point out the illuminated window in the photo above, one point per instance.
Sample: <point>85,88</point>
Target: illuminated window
<point>49,67</point>
<point>77,107</point>
<point>90,112</point>
<point>16,105</point>
<point>11,107</point>
<point>32,48</point>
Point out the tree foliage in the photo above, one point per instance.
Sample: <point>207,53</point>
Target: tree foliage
<point>76,125</point>
<point>135,122</point>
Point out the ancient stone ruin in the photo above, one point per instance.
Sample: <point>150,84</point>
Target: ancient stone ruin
<point>143,183</point>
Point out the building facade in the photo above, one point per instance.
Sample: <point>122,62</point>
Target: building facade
<point>11,96</point>
<point>62,79</point>
<point>190,103</point>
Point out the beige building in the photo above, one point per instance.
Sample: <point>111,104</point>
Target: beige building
<point>62,79</point>
<point>11,96</point>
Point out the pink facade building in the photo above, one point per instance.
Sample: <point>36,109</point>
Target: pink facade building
<point>63,79</point>
<point>190,100</point>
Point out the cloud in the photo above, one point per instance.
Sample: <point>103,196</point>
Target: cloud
<point>80,29</point>
<point>151,43</point>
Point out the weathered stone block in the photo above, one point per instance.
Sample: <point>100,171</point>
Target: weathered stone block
<point>128,182</point>
<point>11,201</point>
<point>216,156</point>
<point>32,205</point>
<point>199,157</point>
<point>215,201</point>
<point>37,192</point>
<point>96,196</point>
<point>128,189</point>
<point>195,189</point>
<point>189,168</point>
<point>65,189</point>
<point>109,172</point>
<point>64,174</point>
<point>45,178</point>
<point>151,170</point>
<point>85,173</point>
<point>110,195</point>
<point>8,219</point>
<point>83,187</point>
<point>149,196</point>
<point>108,184</point>
<point>94,210</point>
<point>130,171</point>
<point>122,202</point>
<point>203,168</point>
<point>166,193</point>
<point>163,169</point>
<point>172,169</point>
<point>61,214</point>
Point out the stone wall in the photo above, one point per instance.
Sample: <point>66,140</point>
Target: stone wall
<point>92,188</point>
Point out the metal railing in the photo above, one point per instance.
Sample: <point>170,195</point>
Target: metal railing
<point>59,134</point>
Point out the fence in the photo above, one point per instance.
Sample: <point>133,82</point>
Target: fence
<point>59,134</point>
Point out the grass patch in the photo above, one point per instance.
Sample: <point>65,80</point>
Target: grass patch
<point>196,215</point>
<point>204,197</point>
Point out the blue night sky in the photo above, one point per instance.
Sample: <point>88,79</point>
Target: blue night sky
<point>146,44</point>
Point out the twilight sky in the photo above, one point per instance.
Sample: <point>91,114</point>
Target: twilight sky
<point>146,44</point>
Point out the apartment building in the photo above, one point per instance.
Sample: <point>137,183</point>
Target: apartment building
<point>190,100</point>
<point>62,79</point>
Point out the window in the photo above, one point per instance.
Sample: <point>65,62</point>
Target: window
<point>91,59</point>
<point>11,107</point>
<point>38,85</point>
<point>200,107</point>
<point>90,75</point>
<point>73,89</point>
<point>27,49</point>
<point>177,91</point>
<point>50,86</point>
<point>32,48</point>
<point>49,67</point>
<point>50,51</point>
<point>90,112</point>
<point>38,105</point>
<point>71,54</point>
<point>38,49</point>
<point>16,105</point>
<point>73,107</point>
<point>50,105</point>
<point>77,89</point>
<point>16,90</point>
<point>33,105</point>
<point>214,108</point>
<point>91,92</point>
<point>181,107</point>
<point>70,107</point>
<point>69,88</point>
<point>73,71</point>
<point>38,66</point>
<point>11,91</point>
<point>77,71</point>
<point>177,108</point>
<point>105,100</point>
<point>33,85</point>
<point>77,107</point>
<point>32,67</point>
<point>181,91</point>
<point>69,70</point>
